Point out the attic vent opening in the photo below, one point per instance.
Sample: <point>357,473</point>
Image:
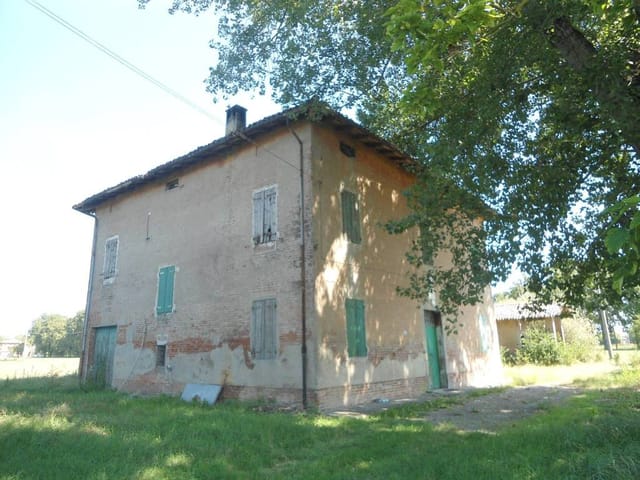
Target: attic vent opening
<point>348,150</point>
<point>171,184</point>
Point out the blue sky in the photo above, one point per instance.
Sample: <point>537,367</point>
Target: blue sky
<point>74,121</point>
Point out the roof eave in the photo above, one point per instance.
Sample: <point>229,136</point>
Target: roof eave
<point>312,111</point>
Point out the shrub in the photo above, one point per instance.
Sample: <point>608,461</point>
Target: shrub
<point>509,357</point>
<point>539,347</point>
<point>581,340</point>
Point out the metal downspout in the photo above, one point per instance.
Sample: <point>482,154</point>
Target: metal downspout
<point>87,310</point>
<point>303,276</point>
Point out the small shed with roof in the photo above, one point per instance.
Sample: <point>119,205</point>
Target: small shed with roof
<point>513,319</point>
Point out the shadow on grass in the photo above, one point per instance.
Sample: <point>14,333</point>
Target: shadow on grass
<point>57,430</point>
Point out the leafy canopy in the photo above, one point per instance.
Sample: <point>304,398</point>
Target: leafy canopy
<point>56,335</point>
<point>531,106</point>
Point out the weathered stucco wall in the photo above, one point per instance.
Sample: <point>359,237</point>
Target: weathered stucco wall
<point>473,353</point>
<point>396,361</point>
<point>369,271</point>
<point>204,228</point>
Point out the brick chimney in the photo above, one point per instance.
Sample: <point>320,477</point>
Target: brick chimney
<point>236,119</point>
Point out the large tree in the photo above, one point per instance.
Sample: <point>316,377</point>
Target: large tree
<point>56,335</point>
<point>532,106</point>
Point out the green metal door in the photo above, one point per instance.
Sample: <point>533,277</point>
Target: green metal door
<point>104,350</point>
<point>432,355</point>
<point>435,350</point>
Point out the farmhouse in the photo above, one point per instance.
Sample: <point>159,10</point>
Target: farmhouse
<point>259,262</point>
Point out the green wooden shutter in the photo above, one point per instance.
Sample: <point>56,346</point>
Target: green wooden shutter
<point>346,198</point>
<point>270,329</point>
<point>350,216</point>
<point>166,277</point>
<point>258,216</point>
<point>361,346</point>
<point>257,320</point>
<point>351,330</point>
<point>264,329</point>
<point>355,221</point>
<point>356,332</point>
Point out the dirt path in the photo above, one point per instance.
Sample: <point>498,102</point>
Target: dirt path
<point>486,413</point>
<point>498,409</point>
<point>490,412</point>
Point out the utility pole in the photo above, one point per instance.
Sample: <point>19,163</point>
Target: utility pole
<point>605,332</point>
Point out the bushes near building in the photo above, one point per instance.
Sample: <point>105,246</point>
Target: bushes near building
<point>539,346</point>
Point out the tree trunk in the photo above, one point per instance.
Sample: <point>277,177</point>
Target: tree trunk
<point>619,98</point>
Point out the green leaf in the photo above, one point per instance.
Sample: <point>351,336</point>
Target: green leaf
<point>616,238</point>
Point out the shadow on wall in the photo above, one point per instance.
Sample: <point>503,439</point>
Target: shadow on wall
<point>368,271</point>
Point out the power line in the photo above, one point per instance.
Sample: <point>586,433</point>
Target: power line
<point>138,71</point>
<point>121,60</point>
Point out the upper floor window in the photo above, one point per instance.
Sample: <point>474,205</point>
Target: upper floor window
<point>350,216</point>
<point>265,215</point>
<point>110,258</point>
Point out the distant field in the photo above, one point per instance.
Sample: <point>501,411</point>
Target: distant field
<point>38,367</point>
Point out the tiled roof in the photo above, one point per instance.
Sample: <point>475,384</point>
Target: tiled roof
<point>523,311</point>
<point>312,111</point>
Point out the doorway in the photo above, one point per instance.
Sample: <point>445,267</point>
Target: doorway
<point>436,361</point>
<point>103,353</point>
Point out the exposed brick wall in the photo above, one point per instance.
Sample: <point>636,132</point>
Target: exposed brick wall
<point>204,229</point>
<point>356,394</point>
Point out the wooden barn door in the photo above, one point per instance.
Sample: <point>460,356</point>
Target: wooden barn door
<point>435,349</point>
<point>103,353</point>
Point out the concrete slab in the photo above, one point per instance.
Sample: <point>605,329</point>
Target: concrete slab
<point>207,393</point>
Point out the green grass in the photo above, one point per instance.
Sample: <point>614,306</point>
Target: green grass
<point>51,429</point>
<point>521,375</point>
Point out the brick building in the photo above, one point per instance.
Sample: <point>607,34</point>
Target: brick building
<point>258,262</point>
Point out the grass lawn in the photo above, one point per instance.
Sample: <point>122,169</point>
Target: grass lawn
<point>51,429</point>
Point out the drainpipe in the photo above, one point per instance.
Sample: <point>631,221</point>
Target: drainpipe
<point>83,358</point>
<point>303,276</point>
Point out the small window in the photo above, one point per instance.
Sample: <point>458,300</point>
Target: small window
<point>356,332</point>
<point>166,280</point>
<point>348,150</point>
<point>264,329</point>
<point>161,355</point>
<point>110,258</point>
<point>350,216</point>
<point>265,225</point>
<point>171,184</point>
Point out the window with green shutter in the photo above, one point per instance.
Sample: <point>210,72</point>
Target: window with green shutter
<point>166,280</point>
<point>350,216</point>
<point>264,329</point>
<point>356,332</point>
<point>265,225</point>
